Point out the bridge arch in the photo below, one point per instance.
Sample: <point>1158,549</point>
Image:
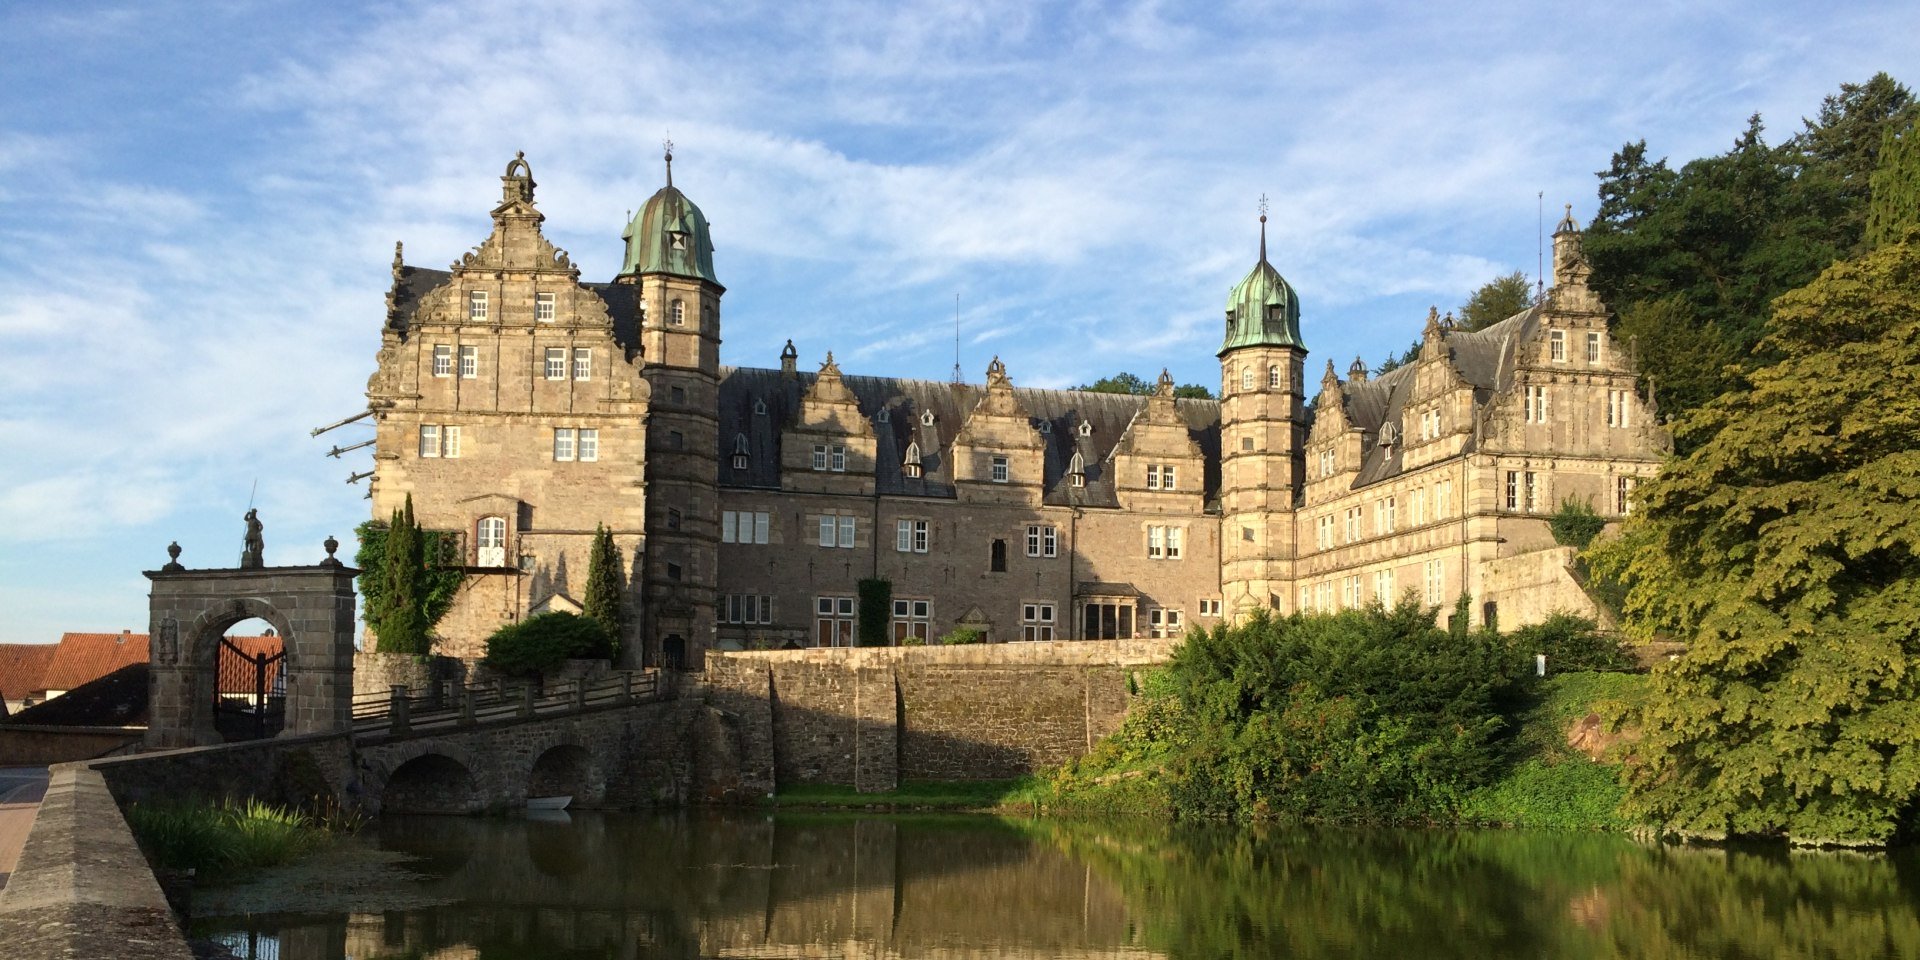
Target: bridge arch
<point>432,781</point>
<point>567,769</point>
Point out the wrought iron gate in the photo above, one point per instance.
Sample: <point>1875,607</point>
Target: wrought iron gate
<point>250,692</point>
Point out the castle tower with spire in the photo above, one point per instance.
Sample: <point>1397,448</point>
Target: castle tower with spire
<point>1261,434</point>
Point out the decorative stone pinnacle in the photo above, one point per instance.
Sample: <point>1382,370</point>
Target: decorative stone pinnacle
<point>332,545</point>
<point>173,557</point>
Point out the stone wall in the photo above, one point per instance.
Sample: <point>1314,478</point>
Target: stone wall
<point>1530,587</point>
<point>376,674</point>
<point>869,718</point>
<point>82,888</point>
<point>35,746</point>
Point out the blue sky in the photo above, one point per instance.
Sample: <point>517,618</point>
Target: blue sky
<point>198,202</point>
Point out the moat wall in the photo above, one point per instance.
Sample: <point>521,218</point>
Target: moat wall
<point>870,718</point>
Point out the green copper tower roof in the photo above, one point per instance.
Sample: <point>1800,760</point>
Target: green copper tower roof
<point>669,235</point>
<point>1263,310</point>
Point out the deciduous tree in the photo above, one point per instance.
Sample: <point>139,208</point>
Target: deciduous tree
<point>1496,300</point>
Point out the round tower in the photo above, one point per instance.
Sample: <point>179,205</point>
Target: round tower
<point>1262,436</point>
<point>669,262</point>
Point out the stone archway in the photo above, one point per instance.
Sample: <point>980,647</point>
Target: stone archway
<point>310,607</point>
<point>567,770</point>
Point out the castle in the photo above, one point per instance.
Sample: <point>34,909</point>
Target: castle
<point>523,408</point>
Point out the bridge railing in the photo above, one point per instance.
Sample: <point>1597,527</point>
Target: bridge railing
<point>446,703</point>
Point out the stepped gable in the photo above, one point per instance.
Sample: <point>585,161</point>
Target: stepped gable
<point>905,403</point>
<point>1485,358</point>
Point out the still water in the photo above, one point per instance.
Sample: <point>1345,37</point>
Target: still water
<point>856,886</point>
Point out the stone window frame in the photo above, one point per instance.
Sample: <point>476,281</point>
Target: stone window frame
<point>677,312</point>
<point>469,361</point>
<point>837,530</point>
<point>1160,476</point>
<point>912,619</point>
<point>587,444</point>
<point>544,308</point>
<point>1383,585</point>
<point>1595,350</point>
<point>476,305</point>
<point>1435,581</point>
<point>1166,623</point>
<point>1351,527</point>
<point>1043,540</point>
<point>1536,403</point>
<point>747,609</point>
<point>1619,403</point>
<point>833,620</point>
<point>749,527</point>
<point>442,360</point>
<point>1037,620</point>
<point>1623,494</point>
<point>583,363</point>
<point>912,535</point>
<point>1210,607</point>
<point>1557,346</point>
<point>1246,379</point>
<point>556,363</point>
<point>1273,376</point>
<point>1166,541</point>
<point>563,449</point>
<point>1000,468</point>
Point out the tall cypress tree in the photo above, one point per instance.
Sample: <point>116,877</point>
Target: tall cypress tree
<point>604,585</point>
<point>401,623</point>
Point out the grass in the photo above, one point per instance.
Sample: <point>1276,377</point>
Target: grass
<point>219,840</point>
<point>915,795</point>
<point>1551,785</point>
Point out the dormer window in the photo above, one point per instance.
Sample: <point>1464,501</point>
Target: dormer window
<point>1046,428</point>
<point>926,419</point>
<point>1388,434</point>
<point>759,407</point>
<point>912,465</point>
<point>1077,470</point>
<point>1086,429</point>
<point>678,313</point>
<point>739,451</point>
<point>883,416</point>
<point>677,239</point>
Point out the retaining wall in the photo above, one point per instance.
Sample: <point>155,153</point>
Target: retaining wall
<point>40,746</point>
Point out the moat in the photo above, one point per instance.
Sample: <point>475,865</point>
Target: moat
<point>876,886</point>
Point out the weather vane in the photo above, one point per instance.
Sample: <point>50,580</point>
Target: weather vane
<point>667,145</point>
<point>1263,208</point>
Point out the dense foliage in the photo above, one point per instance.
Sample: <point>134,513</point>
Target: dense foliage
<point>1691,258</point>
<point>606,587</point>
<point>876,611</point>
<point>1894,210</point>
<point>1575,524</point>
<point>539,645</point>
<point>1571,643</point>
<point>407,581</point>
<point>213,839</point>
<point>1783,549</point>
<point>1138,386</point>
<point>1496,300</point>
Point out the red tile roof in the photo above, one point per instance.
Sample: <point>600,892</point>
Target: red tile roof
<point>84,657</point>
<point>22,665</point>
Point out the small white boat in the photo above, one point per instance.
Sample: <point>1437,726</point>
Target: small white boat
<point>548,803</point>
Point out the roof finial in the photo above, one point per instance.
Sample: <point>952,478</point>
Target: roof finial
<point>667,145</point>
<point>1263,228</point>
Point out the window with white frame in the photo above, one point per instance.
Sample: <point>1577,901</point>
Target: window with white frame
<point>1513,490</point>
<point>1036,621</point>
<point>1353,524</point>
<point>543,307</point>
<point>678,312</point>
<point>745,526</point>
<point>1077,470</point>
<point>1323,533</point>
<point>837,530</point>
<point>440,440</point>
<point>1386,515</point>
<point>1350,592</point>
<point>1523,491</point>
<point>1618,403</point>
<point>476,305</point>
<point>490,542</point>
<point>1430,424</point>
<point>1436,582</point>
<point>1043,540</point>
<point>1165,542</point>
<point>910,536</point>
<point>1417,507</point>
<point>1536,404</point>
<point>1443,499</point>
<point>1246,378</point>
<point>1383,587</point>
<point>556,363</point>
<point>582,363</point>
<point>1209,608</point>
<point>911,465</point>
<point>563,443</point>
<point>747,608</point>
<point>1160,476</point>
<point>442,360</point>
<point>1163,623</point>
<point>1323,595</point>
<point>911,618</point>
<point>833,621</point>
<point>1557,346</point>
<point>1273,376</point>
<point>1306,598</point>
<point>469,362</point>
<point>1534,490</point>
<point>1623,495</point>
<point>830,457</point>
<point>589,443</point>
<point>1593,348</point>
<point>1327,462</point>
<point>999,467</point>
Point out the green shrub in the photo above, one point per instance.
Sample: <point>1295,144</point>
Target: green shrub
<point>1575,524</point>
<point>962,635</point>
<point>1571,644</point>
<point>539,645</point>
<point>212,839</point>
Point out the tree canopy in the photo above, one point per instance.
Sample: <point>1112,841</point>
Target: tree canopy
<point>408,579</point>
<point>1785,549</point>
<point>1138,386</point>
<point>1496,300</point>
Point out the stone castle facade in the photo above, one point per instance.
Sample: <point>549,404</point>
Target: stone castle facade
<point>523,408</point>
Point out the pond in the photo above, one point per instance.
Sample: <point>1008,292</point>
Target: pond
<point>878,886</point>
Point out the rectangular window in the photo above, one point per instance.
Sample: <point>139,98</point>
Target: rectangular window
<point>1443,499</point>
<point>429,440</point>
<point>543,307</point>
<point>910,536</point>
<point>846,532</point>
<point>1418,507</point>
<point>1513,490</point>
<point>829,525</point>
<point>1436,582</point>
<point>1209,608</point>
<point>1036,621</point>
<point>1557,346</point>
<point>1156,543</point>
<point>1389,515</point>
<point>1532,490</point>
<point>590,444</point>
<point>1536,404</point>
<point>450,442</point>
<point>476,305</point>
<point>833,621</point>
<point>582,363</point>
<point>556,363</point>
<point>1323,594</point>
<point>1618,402</point>
<point>1350,592</point>
<point>1383,587</point>
<point>1353,524</point>
<point>1593,348</point>
<point>1043,541</point>
<point>748,608</point>
<point>1174,537</point>
<point>744,526</point>
<point>999,469</point>
<point>469,362</point>
<point>1623,495</point>
<point>1326,462</point>
<point>563,443</point>
<point>1153,476</point>
<point>820,456</point>
<point>1163,623</point>
<point>1107,621</point>
<point>910,620</point>
<point>1306,599</point>
<point>442,360</point>
<point>837,458</point>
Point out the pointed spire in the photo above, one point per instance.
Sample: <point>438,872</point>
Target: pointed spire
<point>667,146</point>
<point>1263,228</point>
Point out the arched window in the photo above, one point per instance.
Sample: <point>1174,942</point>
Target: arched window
<point>679,312</point>
<point>491,540</point>
<point>1246,378</point>
<point>998,558</point>
<point>912,465</point>
<point>1273,377</point>
<point>739,451</point>
<point>1077,470</point>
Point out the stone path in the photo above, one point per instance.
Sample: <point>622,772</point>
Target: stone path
<point>20,791</point>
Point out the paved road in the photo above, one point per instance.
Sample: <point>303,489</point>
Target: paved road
<point>20,791</point>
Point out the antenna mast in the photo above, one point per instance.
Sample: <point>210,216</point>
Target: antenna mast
<point>956,338</point>
<point>1540,245</point>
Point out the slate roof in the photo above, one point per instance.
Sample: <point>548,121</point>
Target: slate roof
<point>22,665</point>
<point>1485,358</point>
<point>757,403</point>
